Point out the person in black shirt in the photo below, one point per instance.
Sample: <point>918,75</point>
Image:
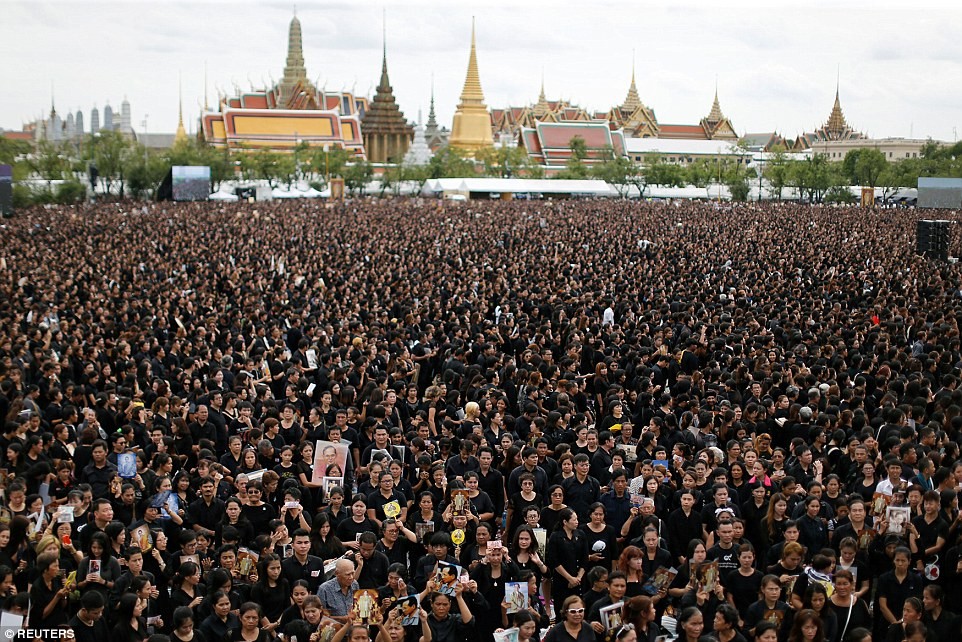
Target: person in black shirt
<point>89,625</point>
<point>350,529</point>
<point>372,564</point>
<point>567,557</point>
<point>744,583</point>
<point>301,565</point>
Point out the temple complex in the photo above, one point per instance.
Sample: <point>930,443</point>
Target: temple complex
<point>507,123</point>
<point>387,135</point>
<point>292,111</point>
<point>471,130</point>
<point>835,129</point>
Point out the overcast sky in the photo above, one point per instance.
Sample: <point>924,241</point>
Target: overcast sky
<point>899,64</point>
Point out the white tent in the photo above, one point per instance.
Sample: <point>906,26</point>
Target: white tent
<point>310,192</point>
<point>221,196</point>
<point>277,192</point>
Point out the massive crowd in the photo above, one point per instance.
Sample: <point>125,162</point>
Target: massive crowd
<point>583,421</point>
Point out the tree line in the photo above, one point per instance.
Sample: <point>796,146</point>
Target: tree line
<point>127,168</point>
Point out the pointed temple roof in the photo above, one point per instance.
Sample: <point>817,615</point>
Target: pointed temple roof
<point>471,129</point>
<point>383,116</point>
<point>431,127</point>
<point>836,125</point>
<point>716,113</point>
<point>472,92</point>
<point>632,100</point>
<point>181,133</point>
<point>295,73</point>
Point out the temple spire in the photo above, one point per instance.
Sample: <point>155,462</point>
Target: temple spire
<point>206,107</point>
<point>836,125</point>
<point>386,132</point>
<point>716,113</point>
<point>632,100</point>
<point>541,108</point>
<point>294,71</point>
<point>384,83</point>
<point>471,129</point>
<point>181,133</point>
<point>472,92</point>
<point>431,127</point>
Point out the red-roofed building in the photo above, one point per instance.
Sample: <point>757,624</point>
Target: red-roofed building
<point>549,144</point>
<point>293,111</point>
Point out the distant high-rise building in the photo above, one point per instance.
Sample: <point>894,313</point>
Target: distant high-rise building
<point>79,124</point>
<point>54,129</point>
<point>108,117</point>
<point>69,128</point>
<point>94,120</point>
<point>125,126</point>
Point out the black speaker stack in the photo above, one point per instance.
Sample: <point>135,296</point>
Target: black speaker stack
<point>932,239</point>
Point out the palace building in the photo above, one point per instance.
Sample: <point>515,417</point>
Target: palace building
<point>293,111</point>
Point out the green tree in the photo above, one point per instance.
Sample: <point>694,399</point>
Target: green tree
<point>330,162</point>
<point>776,171</point>
<point>869,167</point>
<point>71,191</point>
<point>813,177</point>
<point>701,173</point>
<point>111,152</point>
<point>145,172</point>
<point>450,163</point>
<point>618,171</point>
<point>658,172</point>
<point>419,175</point>
<point>221,166</point>
<point>575,167</point>
<point>49,162</point>
<point>12,151</point>
<point>357,176</point>
<point>735,175</point>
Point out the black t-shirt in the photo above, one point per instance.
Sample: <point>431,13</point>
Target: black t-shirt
<point>374,572</point>
<point>83,633</point>
<point>743,588</point>
<point>377,501</point>
<point>727,558</point>
<point>348,530</point>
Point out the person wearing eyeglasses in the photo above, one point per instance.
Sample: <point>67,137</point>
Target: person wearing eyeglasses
<point>571,626</point>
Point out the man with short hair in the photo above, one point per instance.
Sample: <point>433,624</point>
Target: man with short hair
<point>206,512</point>
<point>102,514</point>
<point>301,565</point>
<point>581,490</point>
<point>99,471</point>
<point>89,625</point>
<point>529,464</point>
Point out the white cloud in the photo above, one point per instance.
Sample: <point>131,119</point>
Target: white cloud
<point>775,63</point>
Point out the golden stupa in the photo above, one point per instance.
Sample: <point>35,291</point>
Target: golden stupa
<point>471,130</point>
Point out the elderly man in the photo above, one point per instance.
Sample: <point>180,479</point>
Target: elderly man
<point>337,594</point>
